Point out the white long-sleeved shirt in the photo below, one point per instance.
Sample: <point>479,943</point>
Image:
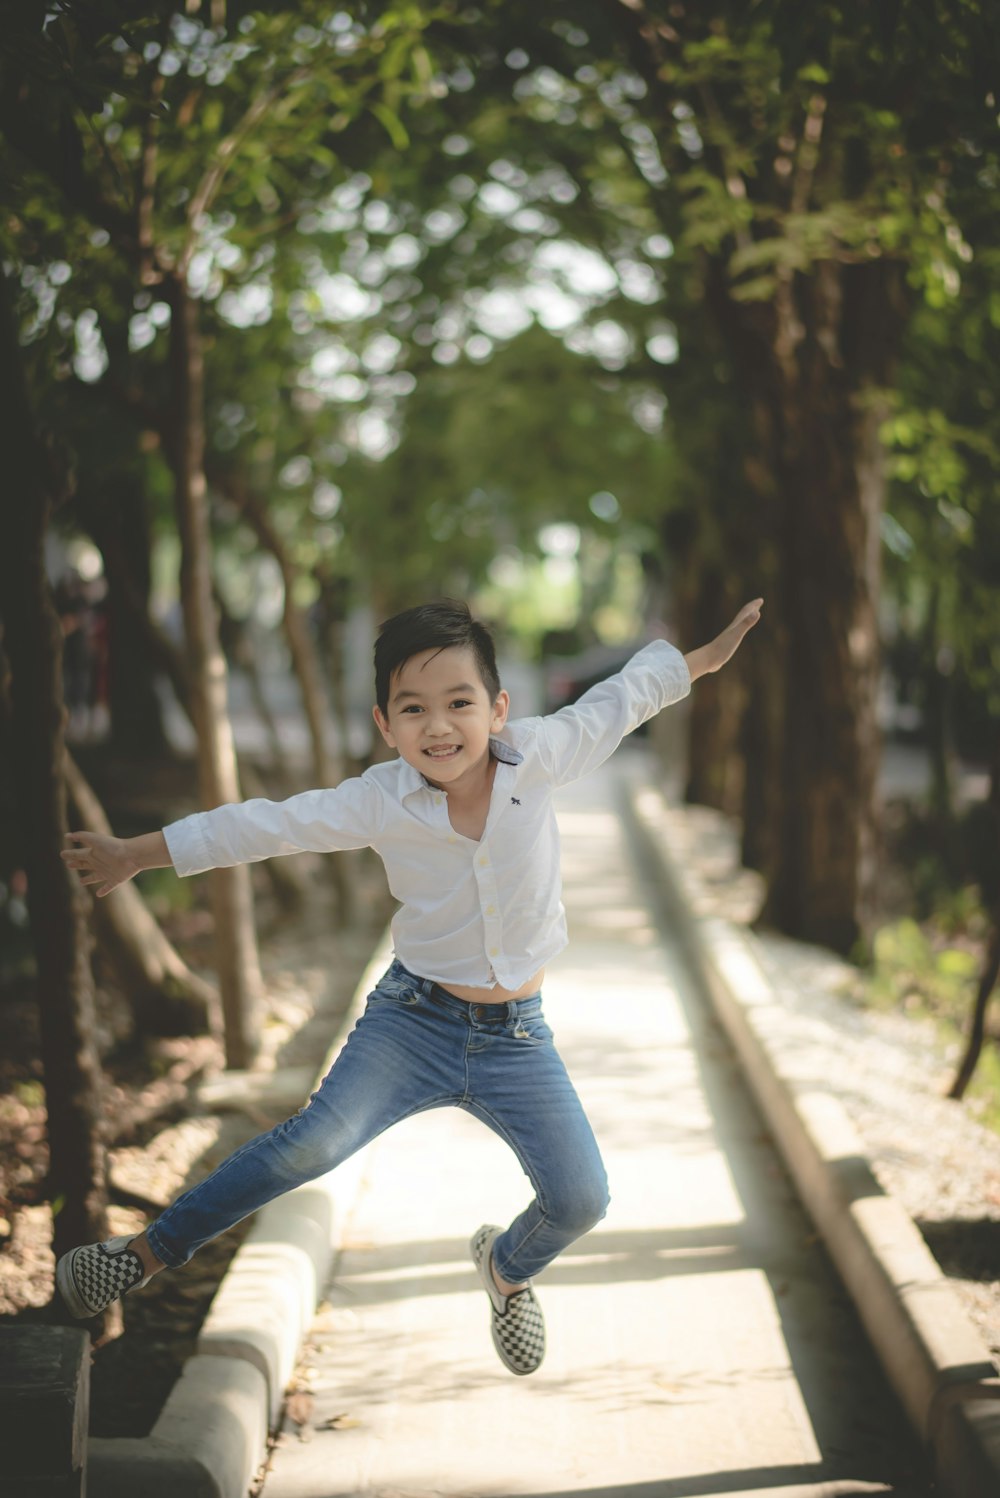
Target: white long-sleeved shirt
<point>478,913</point>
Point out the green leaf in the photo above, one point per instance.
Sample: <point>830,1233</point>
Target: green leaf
<point>758,289</point>
<point>392,125</point>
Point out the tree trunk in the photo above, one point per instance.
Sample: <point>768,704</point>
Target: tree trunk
<point>977,1028</point>
<point>333,598</point>
<point>241,656</point>
<point>991,962</point>
<point>288,886</point>
<point>823,888</point>
<point>763,717</point>
<point>707,599</point>
<point>760,736</point>
<point>77,1181</point>
<point>235,935</point>
<point>809,362</point>
<point>715,768</point>
<point>814,361</point>
<point>305,664</point>
<point>938,691</point>
<point>118,522</point>
<point>166,997</point>
<point>159,649</point>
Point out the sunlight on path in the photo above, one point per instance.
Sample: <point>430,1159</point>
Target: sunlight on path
<point>697,1342</point>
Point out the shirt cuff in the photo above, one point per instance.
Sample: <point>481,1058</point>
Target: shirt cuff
<point>188,845</point>
<point>678,668</point>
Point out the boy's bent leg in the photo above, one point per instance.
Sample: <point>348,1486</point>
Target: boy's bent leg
<point>527,1098</point>
<point>391,1066</point>
<point>376,1080</point>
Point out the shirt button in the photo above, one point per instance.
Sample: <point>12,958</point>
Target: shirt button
<point>491,910</point>
<point>484,861</point>
<point>494,951</point>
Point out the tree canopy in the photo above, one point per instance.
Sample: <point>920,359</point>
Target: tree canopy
<point>715,286</point>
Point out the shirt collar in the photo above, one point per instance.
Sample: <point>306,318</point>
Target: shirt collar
<point>411,779</point>
<point>505,753</point>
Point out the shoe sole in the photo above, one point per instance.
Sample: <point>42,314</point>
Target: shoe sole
<point>484,1268</point>
<point>67,1288</point>
<point>482,1260</point>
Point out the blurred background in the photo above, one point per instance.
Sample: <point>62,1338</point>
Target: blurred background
<point>607,317</point>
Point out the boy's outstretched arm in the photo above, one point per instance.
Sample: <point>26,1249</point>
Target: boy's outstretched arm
<point>111,861</point>
<point>710,657</point>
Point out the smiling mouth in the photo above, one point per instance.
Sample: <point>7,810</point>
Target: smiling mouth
<point>447,752</point>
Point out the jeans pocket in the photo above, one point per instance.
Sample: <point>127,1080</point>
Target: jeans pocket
<point>530,1030</point>
<point>397,987</point>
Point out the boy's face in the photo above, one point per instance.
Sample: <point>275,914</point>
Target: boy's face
<point>440,717</point>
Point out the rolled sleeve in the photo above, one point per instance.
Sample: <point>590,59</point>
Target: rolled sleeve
<point>320,821</point>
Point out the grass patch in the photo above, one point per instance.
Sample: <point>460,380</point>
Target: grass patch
<point>164,893</point>
<point>930,969</point>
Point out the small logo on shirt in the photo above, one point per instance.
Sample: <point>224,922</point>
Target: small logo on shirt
<point>514,801</point>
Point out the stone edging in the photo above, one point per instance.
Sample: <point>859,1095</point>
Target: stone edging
<point>932,1355</point>
<point>211,1436</point>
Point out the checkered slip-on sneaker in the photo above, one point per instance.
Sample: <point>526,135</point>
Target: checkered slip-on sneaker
<point>90,1278</point>
<point>516,1320</point>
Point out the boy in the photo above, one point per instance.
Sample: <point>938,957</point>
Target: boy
<point>463,821</point>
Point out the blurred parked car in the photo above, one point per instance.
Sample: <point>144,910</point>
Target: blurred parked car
<point>567,677</point>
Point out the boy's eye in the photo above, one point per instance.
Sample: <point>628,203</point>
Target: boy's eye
<point>414,707</point>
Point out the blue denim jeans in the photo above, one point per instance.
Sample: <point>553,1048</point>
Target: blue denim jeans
<point>416,1047</point>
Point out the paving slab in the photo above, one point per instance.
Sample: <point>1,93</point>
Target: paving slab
<point>699,1340</point>
<point>933,1355</point>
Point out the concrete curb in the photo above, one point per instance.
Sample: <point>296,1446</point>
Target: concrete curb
<point>211,1436</point>
<point>932,1355</point>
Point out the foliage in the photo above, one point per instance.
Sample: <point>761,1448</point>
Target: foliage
<point>191,153</point>
<point>927,970</point>
<point>789,138</point>
<point>460,272</point>
<point>943,546</point>
<point>918,975</point>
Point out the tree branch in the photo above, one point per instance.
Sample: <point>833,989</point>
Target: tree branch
<point>211,181</point>
<point>146,196</point>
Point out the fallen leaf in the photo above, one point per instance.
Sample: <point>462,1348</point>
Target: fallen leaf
<point>341,1422</point>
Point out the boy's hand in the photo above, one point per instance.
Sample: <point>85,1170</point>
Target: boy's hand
<point>101,860</point>
<point>715,655</point>
<point>726,644</point>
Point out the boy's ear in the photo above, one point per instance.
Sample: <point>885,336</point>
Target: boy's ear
<point>382,723</point>
<point>501,708</point>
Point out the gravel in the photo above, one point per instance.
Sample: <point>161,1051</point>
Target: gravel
<point>889,1070</point>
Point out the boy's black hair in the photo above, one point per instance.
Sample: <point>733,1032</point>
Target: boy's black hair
<point>432,626</point>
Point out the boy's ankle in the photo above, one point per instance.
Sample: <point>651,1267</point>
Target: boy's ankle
<point>150,1263</point>
<point>501,1284</point>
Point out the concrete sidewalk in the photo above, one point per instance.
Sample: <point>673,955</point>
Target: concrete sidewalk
<point>699,1342</point>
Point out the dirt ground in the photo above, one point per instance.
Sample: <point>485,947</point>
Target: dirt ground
<point>167,1127</point>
